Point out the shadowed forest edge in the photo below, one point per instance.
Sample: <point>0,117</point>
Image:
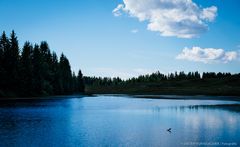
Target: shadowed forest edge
<point>35,70</point>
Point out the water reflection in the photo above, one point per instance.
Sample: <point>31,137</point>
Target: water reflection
<point>117,121</point>
<point>227,107</point>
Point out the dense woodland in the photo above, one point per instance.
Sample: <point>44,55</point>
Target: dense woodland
<point>34,70</point>
<point>159,77</point>
<point>192,83</point>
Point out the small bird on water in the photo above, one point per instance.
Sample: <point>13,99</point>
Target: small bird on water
<point>169,130</point>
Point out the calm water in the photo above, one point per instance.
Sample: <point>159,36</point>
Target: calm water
<point>118,121</point>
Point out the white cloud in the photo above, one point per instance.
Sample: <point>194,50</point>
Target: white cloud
<point>207,55</point>
<point>209,13</point>
<point>134,31</point>
<point>116,12</point>
<point>180,18</point>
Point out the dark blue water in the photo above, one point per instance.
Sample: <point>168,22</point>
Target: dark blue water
<point>119,121</point>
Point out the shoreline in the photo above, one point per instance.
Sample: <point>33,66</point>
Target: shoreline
<point>57,97</point>
<point>175,97</point>
<point>140,96</point>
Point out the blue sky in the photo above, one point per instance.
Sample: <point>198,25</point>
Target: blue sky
<point>102,44</point>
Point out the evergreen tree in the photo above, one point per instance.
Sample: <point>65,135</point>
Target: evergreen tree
<point>54,73</point>
<point>4,45</point>
<point>65,75</point>
<point>74,82</point>
<point>11,62</point>
<point>80,82</point>
<point>38,79</point>
<point>46,59</point>
<point>26,70</point>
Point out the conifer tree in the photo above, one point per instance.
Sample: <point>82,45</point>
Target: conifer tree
<point>4,45</point>
<point>38,80</point>
<point>26,70</point>
<point>80,82</point>
<point>65,75</point>
<point>11,62</point>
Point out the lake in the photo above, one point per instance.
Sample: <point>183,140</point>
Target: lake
<point>119,121</point>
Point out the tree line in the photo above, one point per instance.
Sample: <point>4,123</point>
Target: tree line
<point>35,70</point>
<point>160,77</point>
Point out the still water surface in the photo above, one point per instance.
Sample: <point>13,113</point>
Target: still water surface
<point>118,121</point>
